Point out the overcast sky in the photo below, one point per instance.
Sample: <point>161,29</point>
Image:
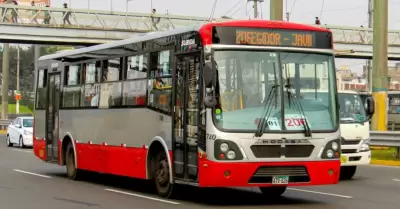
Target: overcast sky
<point>331,12</point>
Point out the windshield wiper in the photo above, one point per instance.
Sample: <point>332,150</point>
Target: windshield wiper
<point>298,108</point>
<point>266,112</point>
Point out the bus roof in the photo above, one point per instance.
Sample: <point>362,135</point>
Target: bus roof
<point>155,35</point>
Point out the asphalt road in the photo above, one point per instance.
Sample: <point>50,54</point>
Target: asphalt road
<point>26,182</point>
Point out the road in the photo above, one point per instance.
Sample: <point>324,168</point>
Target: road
<point>26,182</point>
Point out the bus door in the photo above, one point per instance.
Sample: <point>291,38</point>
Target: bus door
<point>186,114</point>
<point>52,107</point>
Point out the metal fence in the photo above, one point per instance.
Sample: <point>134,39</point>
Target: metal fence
<point>4,124</point>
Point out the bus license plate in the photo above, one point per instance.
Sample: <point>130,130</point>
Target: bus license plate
<point>280,179</point>
<point>343,159</point>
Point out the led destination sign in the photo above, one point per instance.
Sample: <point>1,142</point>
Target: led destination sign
<point>271,37</point>
<point>278,38</point>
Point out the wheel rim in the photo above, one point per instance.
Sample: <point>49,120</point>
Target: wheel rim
<point>162,174</point>
<point>8,140</point>
<point>20,142</point>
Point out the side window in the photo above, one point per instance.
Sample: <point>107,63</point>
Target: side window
<point>160,83</point>
<point>111,91</point>
<point>134,91</point>
<point>112,69</point>
<point>73,75</point>
<point>136,67</point>
<point>91,88</point>
<point>72,89</point>
<point>91,72</point>
<point>41,89</point>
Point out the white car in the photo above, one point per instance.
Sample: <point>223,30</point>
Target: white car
<point>20,132</point>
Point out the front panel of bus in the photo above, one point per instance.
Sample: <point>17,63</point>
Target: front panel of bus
<point>261,128</point>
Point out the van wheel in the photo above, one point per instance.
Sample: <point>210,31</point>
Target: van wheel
<point>347,172</point>
<point>72,172</point>
<point>162,175</point>
<point>21,142</point>
<point>8,141</point>
<point>273,192</point>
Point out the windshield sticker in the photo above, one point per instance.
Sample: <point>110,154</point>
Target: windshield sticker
<point>273,124</point>
<point>296,122</point>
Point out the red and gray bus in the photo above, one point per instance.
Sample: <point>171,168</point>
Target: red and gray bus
<point>214,105</point>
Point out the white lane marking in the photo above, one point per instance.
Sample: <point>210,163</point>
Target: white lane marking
<point>396,180</point>
<point>19,150</point>
<point>30,173</point>
<point>142,196</point>
<point>382,166</point>
<point>322,193</point>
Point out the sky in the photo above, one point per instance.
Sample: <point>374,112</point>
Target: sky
<point>332,12</point>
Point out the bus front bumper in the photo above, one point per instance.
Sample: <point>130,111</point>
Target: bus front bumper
<point>253,174</point>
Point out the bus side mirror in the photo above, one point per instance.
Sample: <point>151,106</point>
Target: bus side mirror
<point>370,106</point>
<point>209,76</point>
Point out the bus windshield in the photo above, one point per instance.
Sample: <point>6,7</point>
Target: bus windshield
<point>352,108</point>
<point>245,90</point>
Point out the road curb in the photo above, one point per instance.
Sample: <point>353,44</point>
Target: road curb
<point>385,162</point>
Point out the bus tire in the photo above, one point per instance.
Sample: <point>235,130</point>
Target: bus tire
<point>273,192</point>
<point>72,171</point>
<point>162,175</point>
<point>347,172</point>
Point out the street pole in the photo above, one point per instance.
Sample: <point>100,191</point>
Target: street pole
<point>379,62</point>
<point>276,10</point>
<point>17,102</point>
<point>369,63</point>
<point>4,86</point>
<point>36,55</point>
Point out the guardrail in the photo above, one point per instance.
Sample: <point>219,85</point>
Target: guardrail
<point>4,124</point>
<point>386,139</point>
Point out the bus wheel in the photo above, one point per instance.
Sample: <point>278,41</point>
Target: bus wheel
<point>273,192</point>
<point>161,176</point>
<point>347,172</point>
<point>72,171</point>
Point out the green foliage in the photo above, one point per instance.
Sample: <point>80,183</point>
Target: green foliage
<point>26,70</point>
<point>22,109</point>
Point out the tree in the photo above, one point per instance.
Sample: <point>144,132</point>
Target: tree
<point>26,70</point>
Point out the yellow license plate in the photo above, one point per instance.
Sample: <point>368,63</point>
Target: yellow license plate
<point>343,159</point>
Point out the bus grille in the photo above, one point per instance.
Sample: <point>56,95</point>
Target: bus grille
<point>264,174</point>
<point>276,151</point>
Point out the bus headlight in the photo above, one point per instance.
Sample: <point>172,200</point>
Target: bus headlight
<point>231,155</point>
<point>227,150</point>
<point>224,147</point>
<point>332,150</point>
<point>330,153</point>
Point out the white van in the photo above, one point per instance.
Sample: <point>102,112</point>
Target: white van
<point>355,115</point>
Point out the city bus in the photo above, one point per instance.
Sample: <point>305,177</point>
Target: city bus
<point>213,105</point>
